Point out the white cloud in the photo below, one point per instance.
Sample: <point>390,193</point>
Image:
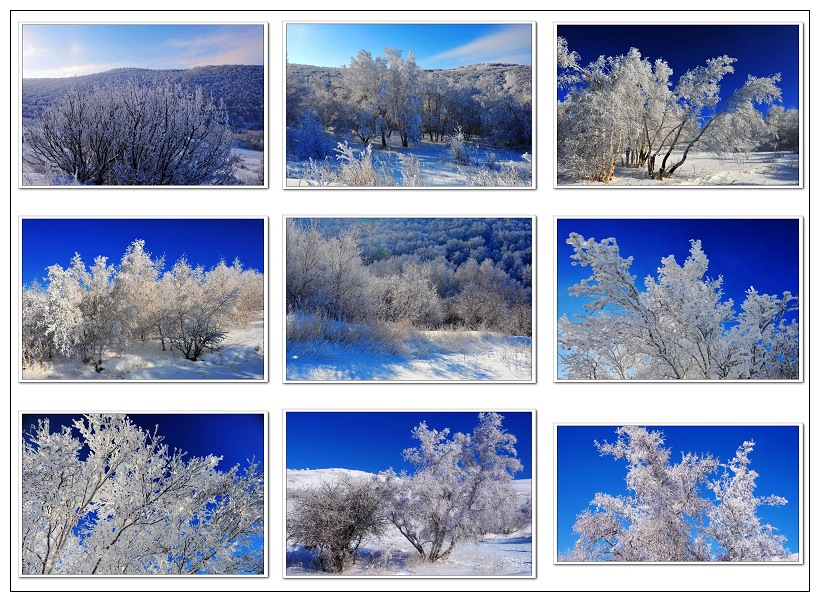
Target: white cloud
<point>512,42</point>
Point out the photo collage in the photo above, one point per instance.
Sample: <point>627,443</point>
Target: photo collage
<point>322,301</point>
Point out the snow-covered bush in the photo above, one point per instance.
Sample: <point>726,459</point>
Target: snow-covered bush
<point>308,138</point>
<point>136,134</point>
<point>458,148</point>
<point>411,173</point>
<point>334,518</point>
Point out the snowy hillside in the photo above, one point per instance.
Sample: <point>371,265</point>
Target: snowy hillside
<point>430,355</point>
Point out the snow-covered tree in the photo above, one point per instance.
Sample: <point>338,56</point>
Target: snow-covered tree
<point>733,520</point>
<point>334,518</point>
<point>137,283</point>
<point>117,501</point>
<point>669,515</point>
<point>404,102</point>
<point>628,107</point>
<point>37,342</point>
<point>199,304</point>
<point>783,126</point>
<point>457,488</point>
<point>677,327</point>
<point>365,93</point>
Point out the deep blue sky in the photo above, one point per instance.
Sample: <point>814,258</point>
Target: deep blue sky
<point>760,50</point>
<point>374,441</point>
<point>66,50</point>
<point>204,241</point>
<point>582,472</point>
<point>435,45</point>
<point>763,253</point>
<point>236,437</point>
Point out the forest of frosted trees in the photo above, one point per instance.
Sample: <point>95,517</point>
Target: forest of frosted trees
<point>86,312</point>
<point>388,99</point>
<point>626,111</point>
<point>417,274</point>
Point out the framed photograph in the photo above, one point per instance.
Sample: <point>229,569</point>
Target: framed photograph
<point>409,494</point>
<point>143,299</point>
<point>679,493</point>
<point>425,299</point>
<point>677,299</point>
<point>679,105</point>
<point>127,104</point>
<point>116,495</point>
<point>409,104</point>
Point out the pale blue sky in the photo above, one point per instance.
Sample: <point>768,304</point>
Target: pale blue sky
<point>66,50</point>
<point>435,45</point>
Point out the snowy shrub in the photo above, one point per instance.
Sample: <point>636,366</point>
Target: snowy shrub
<point>411,173</point>
<point>357,171</point>
<point>308,139</point>
<point>200,304</point>
<point>333,519</point>
<point>135,135</point>
<point>457,147</point>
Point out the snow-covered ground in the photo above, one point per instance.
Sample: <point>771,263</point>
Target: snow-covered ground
<point>430,355</point>
<point>251,165</point>
<point>711,169</point>
<point>241,356</point>
<point>392,555</point>
<point>437,167</point>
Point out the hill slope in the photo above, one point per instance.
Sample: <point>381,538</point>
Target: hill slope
<point>241,87</point>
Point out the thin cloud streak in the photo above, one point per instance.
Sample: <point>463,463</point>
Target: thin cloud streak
<point>514,41</point>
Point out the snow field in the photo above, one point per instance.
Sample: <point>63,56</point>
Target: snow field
<point>429,355</point>
<point>713,169</point>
